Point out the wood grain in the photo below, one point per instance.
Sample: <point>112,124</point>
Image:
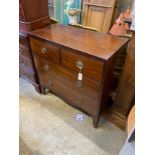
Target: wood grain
<point>92,68</point>
<point>96,51</point>
<point>51,53</point>
<point>91,44</point>
<point>131,121</point>
<point>98,14</point>
<point>126,87</point>
<point>76,97</point>
<point>33,14</point>
<point>89,87</point>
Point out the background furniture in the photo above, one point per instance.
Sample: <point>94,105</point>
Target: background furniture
<point>121,6</point>
<point>57,7</point>
<point>124,94</point>
<point>131,121</point>
<point>129,145</point>
<point>51,8</point>
<point>33,14</point>
<point>76,64</point>
<point>98,14</point>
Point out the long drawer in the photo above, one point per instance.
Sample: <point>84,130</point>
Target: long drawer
<point>76,97</point>
<point>87,86</point>
<point>89,67</point>
<point>45,50</point>
<point>27,74</point>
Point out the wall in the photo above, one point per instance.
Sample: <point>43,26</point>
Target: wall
<point>60,6</point>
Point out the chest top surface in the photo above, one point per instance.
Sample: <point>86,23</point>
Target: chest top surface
<point>99,45</point>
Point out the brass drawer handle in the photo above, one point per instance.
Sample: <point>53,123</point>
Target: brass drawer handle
<point>79,65</point>
<point>46,67</point>
<point>79,100</point>
<point>43,50</point>
<point>47,90</point>
<point>50,83</point>
<point>79,83</point>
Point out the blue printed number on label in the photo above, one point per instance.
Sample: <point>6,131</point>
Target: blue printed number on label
<point>79,117</point>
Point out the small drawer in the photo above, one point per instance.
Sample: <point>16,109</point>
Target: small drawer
<point>89,67</point>
<point>45,50</point>
<point>75,97</point>
<point>87,86</point>
<point>26,74</point>
<point>25,62</point>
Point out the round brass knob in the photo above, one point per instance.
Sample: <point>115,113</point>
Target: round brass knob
<point>79,83</point>
<point>79,64</point>
<point>47,90</point>
<point>46,67</point>
<point>50,83</point>
<point>43,50</point>
<point>79,100</point>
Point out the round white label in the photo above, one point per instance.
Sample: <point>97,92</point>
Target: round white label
<point>79,117</point>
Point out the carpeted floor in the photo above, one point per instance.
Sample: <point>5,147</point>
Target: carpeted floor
<point>48,127</point>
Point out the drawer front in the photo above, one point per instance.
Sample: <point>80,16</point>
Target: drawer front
<point>87,86</point>
<point>90,68</point>
<point>45,50</point>
<point>76,97</point>
<point>25,62</point>
<point>26,74</point>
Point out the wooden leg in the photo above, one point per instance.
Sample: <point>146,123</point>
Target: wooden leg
<point>43,90</point>
<point>95,121</point>
<point>38,89</point>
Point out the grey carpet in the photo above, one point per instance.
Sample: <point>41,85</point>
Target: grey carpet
<point>48,127</point>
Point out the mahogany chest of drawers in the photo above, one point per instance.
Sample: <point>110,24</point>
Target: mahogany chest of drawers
<point>76,65</point>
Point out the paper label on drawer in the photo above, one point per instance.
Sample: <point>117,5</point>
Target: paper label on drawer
<point>80,76</point>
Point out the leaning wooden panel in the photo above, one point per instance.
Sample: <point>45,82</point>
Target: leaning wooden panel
<point>98,14</point>
<point>126,88</point>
